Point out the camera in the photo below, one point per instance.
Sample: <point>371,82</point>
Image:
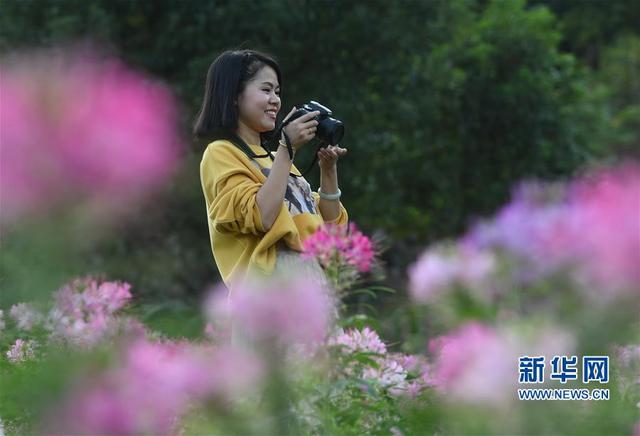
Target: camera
<point>329,131</point>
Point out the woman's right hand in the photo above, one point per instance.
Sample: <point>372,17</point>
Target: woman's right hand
<point>302,129</point>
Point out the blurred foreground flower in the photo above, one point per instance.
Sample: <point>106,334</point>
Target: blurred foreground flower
<point>291,310</point>
<point>442,267</point>
<point>585,236</point>
<point>590,227</point>
<point>154,386</point>
<point>474,363</point>
<point>478,364</point>
<point>76,125</point>
<point>605,213</point>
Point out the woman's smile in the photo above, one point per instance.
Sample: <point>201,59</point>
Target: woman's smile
<point>271,113</point>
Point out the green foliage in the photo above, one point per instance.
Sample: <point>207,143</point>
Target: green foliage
<point>31,389</point>
<point>446,104</point>
<point>619,75</point>
<point>172,319</point>
<point>590,26</point>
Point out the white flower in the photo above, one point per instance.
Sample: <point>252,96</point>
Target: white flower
<point>21,351</point>
<point>25,316</point>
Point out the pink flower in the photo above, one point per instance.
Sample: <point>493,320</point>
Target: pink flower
<point>391,370</point>
<point>76,125</point>
<point>25,316</point>
<point>474,364</point>
<point>237,373</point>
<point>386,372</point>
<point>389,375</point>
<point>365,340</point>
<point>532,228</point>
<point>419,375</point>
<point>289,309</point>
<point>441,268</point>
<point>107,297</point>
<point>154,386</point>
<point>590,228</point>
<point>478,364</point>
<point>431,275</point>
<point>344,245</point>
<point>85,309</point>
<point>606,229</point>
<point>21,351</point>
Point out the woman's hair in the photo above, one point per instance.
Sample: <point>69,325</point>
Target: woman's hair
<point>227,77</point>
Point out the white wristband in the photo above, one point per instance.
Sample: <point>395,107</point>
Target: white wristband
<point>335,196</point>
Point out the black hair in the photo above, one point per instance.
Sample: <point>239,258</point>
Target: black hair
<point>227,77</point>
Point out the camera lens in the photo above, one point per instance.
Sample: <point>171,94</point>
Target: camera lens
<point>330,131</point>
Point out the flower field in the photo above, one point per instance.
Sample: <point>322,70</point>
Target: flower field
<point>554,274</point>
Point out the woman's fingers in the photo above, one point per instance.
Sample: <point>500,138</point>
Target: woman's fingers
<point>337,149</point>
<point>289,114</point>
<point>307,121</point>
<point>312,124</point>
<point>302,129</point>
<point>331,153</point>
<point>309,131</point>
<point>306,117</point>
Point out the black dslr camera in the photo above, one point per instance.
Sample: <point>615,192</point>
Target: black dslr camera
<point>329,131</point>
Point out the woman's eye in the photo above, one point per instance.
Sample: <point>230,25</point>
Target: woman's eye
<point>269,90</point>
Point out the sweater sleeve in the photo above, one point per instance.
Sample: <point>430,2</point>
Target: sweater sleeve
<point>230,190</point>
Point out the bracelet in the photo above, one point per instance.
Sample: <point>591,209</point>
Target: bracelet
<point>288,144</point>
<point>282,144</point>
<point>335,196</point>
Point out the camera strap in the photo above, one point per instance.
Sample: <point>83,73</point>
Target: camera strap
<point>289,146</point>
<point>279,131</point>
<point>239,142</point>
<point>242,145</point>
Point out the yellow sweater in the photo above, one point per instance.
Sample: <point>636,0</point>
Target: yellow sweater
<point>240,243</point>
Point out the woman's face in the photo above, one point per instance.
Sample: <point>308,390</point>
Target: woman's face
<point>259,103</point>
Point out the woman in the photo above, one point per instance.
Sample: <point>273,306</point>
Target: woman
<point>260,209</point>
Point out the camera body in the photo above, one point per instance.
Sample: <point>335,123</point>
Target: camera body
<point>329,131</point>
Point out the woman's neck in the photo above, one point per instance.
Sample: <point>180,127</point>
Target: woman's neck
<point>247,134</point>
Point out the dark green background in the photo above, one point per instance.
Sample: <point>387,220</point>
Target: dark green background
<point>446,104</point>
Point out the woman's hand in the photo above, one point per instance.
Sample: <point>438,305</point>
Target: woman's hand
<point>328,157</point>
<point>302,129</point>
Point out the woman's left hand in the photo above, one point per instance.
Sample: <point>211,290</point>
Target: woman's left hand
<point>328,156</point>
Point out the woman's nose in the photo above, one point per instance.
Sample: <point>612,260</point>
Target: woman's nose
<point>275,101</point>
